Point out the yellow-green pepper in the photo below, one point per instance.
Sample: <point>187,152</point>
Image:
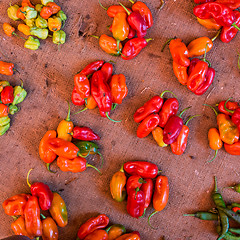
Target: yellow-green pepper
<point>38,7</point>
<point>41,22</point>
<point>29,12</point>
<point>3,129</point>
<point>19,95</point>
<point>4,121</point>
<point>12,12</point>
<point>45,2</point>
<point>59,37</point>
<point>32,43</point>
<point>39,32</point>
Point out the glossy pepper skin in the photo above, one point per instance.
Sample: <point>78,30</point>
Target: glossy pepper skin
<point>3,110</point>
<point>147,188</point>
<point>129,236</point>
<point>148,125</point>
<point>141,168</point>
<point>94,223</point>
<point>15,205</point>
<point>84,133</point>
<point>82,85</point>
<point>6,68</point>
<point>50,229</point>
<point>233,149</point>
<point>180,72</point>
<point>230,106</point>
<point>32,217</point>
<point>134,182</point>
<point>107,70</point>
<point>151,106</point>
<point>109,45</point>
<point>209,23</point>
<point>19,228</point>
<point>158,136</point>
<point>179,52</point>
<point>58,210</point>
<point>7,96</point>
<point>117,186</point>
<point>115,231</point>
<point>76,98</point>
<point>118,88</point>
<point>92,67</point>
<point>135,203</point>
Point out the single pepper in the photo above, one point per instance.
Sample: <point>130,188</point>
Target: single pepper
<point>215,141</point>
<point>160,196</point>
<point>147,188</point>
<point>39,32</point>
<point>46,12</point>
<point>84,133</point>
<point>82,85</point>
<point>117,185</point>
<point>97,235</point>
<point>3,110</point>
<point>134,182</point>
<point>3,129</point>
<point>107,70</point>
<point>24,29</point>
<point>14,206</point>
<point>7,95</point>
<point>204,216</point>
<point>180,72</point>
<point>141,168</point>
<point>19,228</point>
<point>209,23</point>
<point>19,94</point>
<point>233,149</point>
<point>129,236</point>
<point>158,136</point>
<point>6,69</point>
<point>65,127</point>
<point>92,67</point>
<point>41,22</point>
<point>94,223</point>
<point>50,229</point>
<point>32,43</point>
<point>76,98</point>
<point>135,203</point>
<point>12,12</point>
<point>32,217</point>
<point>54,24</point>
<point>115,231</point>
<point>58,210</point>
<point>227,107</point>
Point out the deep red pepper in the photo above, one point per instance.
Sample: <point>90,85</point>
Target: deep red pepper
<point>134,182</point>
<point>147,189</point>
<point>82,85</point>
<point>84,133</point>
<point>230,106</point>
<point>222,14</point>
<point>133,47</point>
<point>169,109</point>
<point>92,67</point>
<point>136,203</point>
<point>147,125</point>
<point>228,33</point>
<point>76,98</point>
<point>141,168</point>
<point>7,95</point>
<point>107,70</point>
<point>91,225</point>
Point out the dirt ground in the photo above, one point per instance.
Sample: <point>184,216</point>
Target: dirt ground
<point>48,78</point>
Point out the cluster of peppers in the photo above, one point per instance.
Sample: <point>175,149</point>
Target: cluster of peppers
<point>96,85</point>
<point>196,74</point>
<point>71,156</point>
<point>10,97</point>
<point>222,214</point>
<point>160,117</point>
<point>228,121</point>
<point>26,211</point>
<point>96,228</point>
<point>129,24</point>
<point>42,21</point>
<point>139,188</point>
<point>219,14</point>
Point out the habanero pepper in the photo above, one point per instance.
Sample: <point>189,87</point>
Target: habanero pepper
<point>4,110</point>
<point>19,228</point>
<point>6,68</point>
<point>233,149</point>
<point>50,229</point>
<point>94,223</point>
<point>117,185</point>
<point>107,70</point>
<point>134,182</point>
<point>115,231</point>
<point>147,188</point>
<point>215,141</point>
<point>82,85</point>
<point>84,133</point>
<point>97,235</point>
<point>158,136</point>
<point>209,23</point>
<point>136,203</point>
<point>129,236</point>
<point>76,98</point>
<point>229,106</point>
<point>141,168</point>
<point>58,210</point>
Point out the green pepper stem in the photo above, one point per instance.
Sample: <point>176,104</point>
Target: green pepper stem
<point>189,215</point>
<point>191,119</point>
<point>81,111</point>
<point>235,25</point>
<point>215,155</point>
<point>43,217</point>
<point>162,3</point>
<point>112,119</point>
<point>167,91</point>
<point>150,218</point>
<point>225,106</point>
<point>69,112</point>
<point>166,43</point>
<point>48,168</point>
<point>181,113</point>
<point>101,156</point>
<point>102,5</point>
<point>124,8</point>
<point>89,165</point>
<point>211,108</point>
<point>216,36</point>
<point>28,183</point>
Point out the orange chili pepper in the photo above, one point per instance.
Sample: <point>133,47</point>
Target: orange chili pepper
<point>50,229</point>
<point>24,29</point>
<point>180,73</point>
<point>19,227</point>
<point>97,235</point>
<point>55,8</point>
<point>91,103</point>
<point>26,3</point>
<point>65,127</point>
<point>160,196</point>
<point>215,141</point>
<point>20,13</point>
<point>3,110</point>
<point>8,29</point>
<point>6,68</point>
<point>118,88</point>
<point>209,23</point>
<point>233,149</point>
<point>54,24</point>
<point>46,12</point>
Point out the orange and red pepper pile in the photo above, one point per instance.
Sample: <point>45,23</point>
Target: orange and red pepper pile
<point>96,86</point>
<point>135,181</point>
<point>26,210</point>
<point>71,156</point>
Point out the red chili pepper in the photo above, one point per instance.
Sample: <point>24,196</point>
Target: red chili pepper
<point>6,68</point>
<point>91,225</point>
<point>228,33</point>
<point>230,106</point>
<point>133,47</point>
<point>82,85</point>
<point>147,125</point>
<point>136,203</point>
<point>107,70</point>
<point>84,133</point>
<point>147,189</point>
<point>233,149</point>
<point>76,98</point>
<point>134,182</point>
<point>7,95</point>
<point>92,67</point>
<point>141,168</point>
<point>222,14</point>
<point>169,109</point>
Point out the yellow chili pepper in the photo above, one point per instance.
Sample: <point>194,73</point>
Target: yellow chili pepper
<point>65,127</point>
<point>54,24</point>
<point>24,29</point>
<point>209,23</point>
<point>158,136</point>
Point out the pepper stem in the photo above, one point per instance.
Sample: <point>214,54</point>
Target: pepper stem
<point>124,8</point>
<point>236,26</point>
<point>150,218</point>
<point>215,155</point>
<point>216,36</point>
<point>112,119</point>
<point>89,165</point>
<point>191,118</point>
<point>167,91</point>
<point>166,43</point>
<point>225,106</point>
<point>69,112</point>
<point>189,215</point>
<point>28,177</point>
<point>101,156</point>
<point>211,108</point>
<point>81,110</point>
<point>162,3</point>
<point>181,113</point>
<point>102,5</point>
<point>48,168</point>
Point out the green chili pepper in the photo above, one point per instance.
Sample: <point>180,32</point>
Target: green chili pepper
<point>115,231</point>
<point>62,16</point>
<point>32,43</point>
<point>12,12</point>
<point>3,129</point>
<point>30,22</point>
<point>13,109</point>
<point>19,95</point>
<point>45,2</point>
<point>204,216</point>
<point>4,121</point>
<point>231,214</point>
<point>59,37</point>
<point>39,32</point>
<point>218,200</point>
<point>4,84</point>
<point>29,12</point>
<point>38,7</point>
<point>41,22</point>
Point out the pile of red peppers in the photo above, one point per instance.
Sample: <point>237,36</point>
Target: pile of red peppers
<point>129,24</point>
<point>96,85</point>
<point>26,209</point>
<point>71,156</point>
<point>160,117</point>
<point>97,228</point>
<point>10,97</point>
<point>135,181</point>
